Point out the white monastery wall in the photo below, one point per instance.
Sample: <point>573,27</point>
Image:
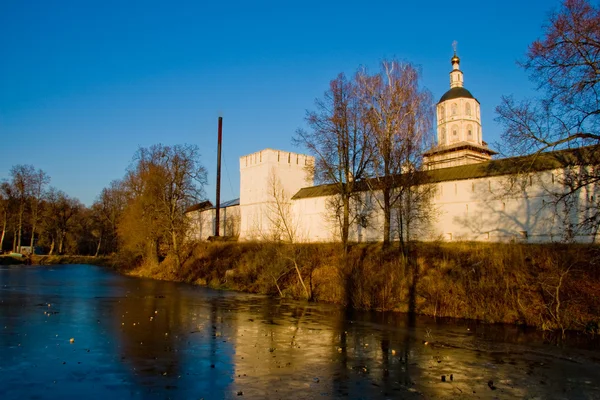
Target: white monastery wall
<point>490,208</point>
<point>501,208</point>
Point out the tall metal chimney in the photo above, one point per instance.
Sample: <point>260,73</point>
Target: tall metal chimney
<point>218,216</point>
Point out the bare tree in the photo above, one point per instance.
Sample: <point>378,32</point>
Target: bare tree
<point>6,201</point>
<point>565,64</point>
<point>283,226</point>
<point>20,182</point>
<point>59,213</point>
<point>400,119</point>
<point>108,209</point>
<point>163,182</point>
<point>38,181</point>
<point>338,138</point>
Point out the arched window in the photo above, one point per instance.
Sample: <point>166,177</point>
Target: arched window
<point>454,108</point>
<point>454,133</point>
<point>443,136</point>
<point>442,112</point>
<point>468,109</point>
<point>469,132</point>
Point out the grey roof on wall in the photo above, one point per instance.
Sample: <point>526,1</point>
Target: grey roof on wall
<point>230,203</point>
<point>532,163</point>
<point>207,205</point>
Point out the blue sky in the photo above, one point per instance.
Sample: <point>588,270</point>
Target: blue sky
<point>84,84</point>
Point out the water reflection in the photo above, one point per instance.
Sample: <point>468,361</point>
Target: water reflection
<point>148,339</point>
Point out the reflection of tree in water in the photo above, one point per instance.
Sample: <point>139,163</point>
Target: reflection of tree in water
<point>174,339</point>
<point>147,328</point>
<point>373,355</point>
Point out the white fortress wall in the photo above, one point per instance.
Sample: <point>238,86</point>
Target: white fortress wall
<point>264,175</point>
<point>499,208</point>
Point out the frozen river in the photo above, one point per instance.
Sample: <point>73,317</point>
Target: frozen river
<point>83,332</point>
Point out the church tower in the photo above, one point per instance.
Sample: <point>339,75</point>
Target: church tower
<point>459,137</point>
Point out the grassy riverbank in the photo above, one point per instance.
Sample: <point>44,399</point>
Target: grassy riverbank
<point>547,286</point>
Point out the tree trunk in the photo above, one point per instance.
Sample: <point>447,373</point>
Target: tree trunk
<point>61,239</point>
<point>98,247</point>
<point>20,227</point>
<point>401,229</point>
<point>3,234</point>
<point>14,249</point>
<point>152,253</point>
<point>346,222</point>
<point>176,249</point>
<point>387,216</point>
<point>32,236</point>
<point>51,247</point>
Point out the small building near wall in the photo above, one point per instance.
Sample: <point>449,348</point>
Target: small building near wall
<point>202,218</point>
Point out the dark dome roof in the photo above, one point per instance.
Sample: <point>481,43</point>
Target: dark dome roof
<point>455,93</point>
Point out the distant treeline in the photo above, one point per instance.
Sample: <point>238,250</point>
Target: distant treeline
<point>141,215</point>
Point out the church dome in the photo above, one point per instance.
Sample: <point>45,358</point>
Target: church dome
<point>455,93</point>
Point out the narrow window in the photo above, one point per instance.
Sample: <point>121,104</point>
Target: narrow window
<point>552,177</point>
<point>277,156</point>
<point>456,188</point>
<point>454,108</point>
<point>289,158</point>
<point>468,109</point>
<point>442,112</point>
<point>260,157</point>
<point>297,156</point>
<point>473,187</point>
<point>443,135</point>
<point>470,132</point>
<point>530,180</point>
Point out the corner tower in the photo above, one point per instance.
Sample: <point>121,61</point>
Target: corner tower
<point>459,135</point>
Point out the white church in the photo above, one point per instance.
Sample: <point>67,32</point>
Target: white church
<point>473,198</point>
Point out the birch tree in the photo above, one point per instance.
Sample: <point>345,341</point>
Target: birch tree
<point>338,137</point>
<point>400,119</point>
